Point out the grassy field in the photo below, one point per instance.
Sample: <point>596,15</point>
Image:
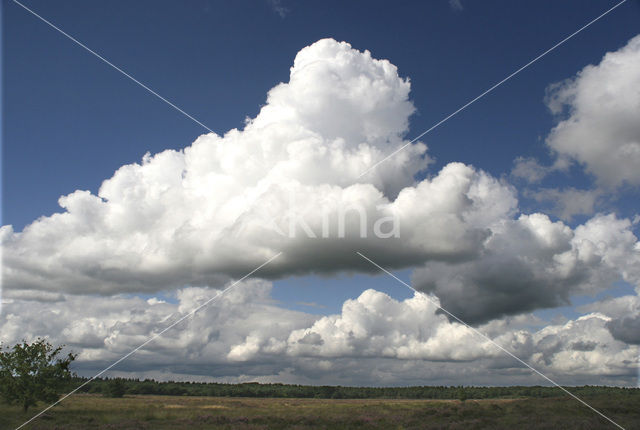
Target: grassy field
<point>86,411</point>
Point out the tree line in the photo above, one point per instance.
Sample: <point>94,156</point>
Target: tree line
<point>117,387</point>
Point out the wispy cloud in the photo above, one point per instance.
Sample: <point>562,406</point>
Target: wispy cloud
<point>311,305</point>
<point>456,5</point>
<point>278,8</point>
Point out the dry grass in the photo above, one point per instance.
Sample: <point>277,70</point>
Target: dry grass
<point>168,412</point>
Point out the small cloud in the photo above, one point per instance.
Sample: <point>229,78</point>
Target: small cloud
<point>568,202</point>
<point>278,8</point>
<point>598,111</point>
<point>456,5</point>
<point>311,304</point>
<point>529,170</point>
<point>155,301</point>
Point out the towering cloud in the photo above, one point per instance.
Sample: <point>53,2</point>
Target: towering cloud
<point>288,182</point>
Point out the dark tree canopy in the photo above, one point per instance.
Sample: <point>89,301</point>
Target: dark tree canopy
<point>30,372</point>
<point>116,388</point>
<point>105,386</point>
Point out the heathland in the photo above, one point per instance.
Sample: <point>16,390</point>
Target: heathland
<point>276,406</point>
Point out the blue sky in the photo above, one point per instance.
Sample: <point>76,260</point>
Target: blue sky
<point>70,121</point>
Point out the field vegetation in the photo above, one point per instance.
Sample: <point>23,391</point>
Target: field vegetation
<point>144,411</point>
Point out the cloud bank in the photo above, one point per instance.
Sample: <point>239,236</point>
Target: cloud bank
<point>245,336</point>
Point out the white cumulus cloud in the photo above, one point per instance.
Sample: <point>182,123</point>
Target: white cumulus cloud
<point>602,128</point>
<point>223,205</point>
<point>245,336</point>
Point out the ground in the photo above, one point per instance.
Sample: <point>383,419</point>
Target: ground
<point>86,411</point>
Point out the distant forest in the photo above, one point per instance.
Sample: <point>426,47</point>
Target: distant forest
<point>117,387</point>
